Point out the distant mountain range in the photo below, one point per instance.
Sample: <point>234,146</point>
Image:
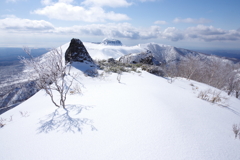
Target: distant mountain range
<point>232,54</point>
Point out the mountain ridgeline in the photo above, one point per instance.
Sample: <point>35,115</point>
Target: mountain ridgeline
<point>165,54</point>
<point>169,61</point>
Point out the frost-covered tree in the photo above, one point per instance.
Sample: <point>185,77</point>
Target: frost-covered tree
<point>50,74</point>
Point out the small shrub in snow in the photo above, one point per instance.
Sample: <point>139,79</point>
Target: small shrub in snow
<point>91,73</point>
<point>102,75</point>
<point>236,130</point>
<point>138,71</point>
<point>203,95</point>
<point>116,66</point>
<point>76,89</point>
<point>212,96</point>
<point>1,125</point>
<point>138,65</point>
<point>119,77</point>
<point>24,114</point>
<point>2,122</point>
<point>134,69</point>
<point>10,119</point>
<point>144,67</point>
<point>112,69</point>
<point>194,88</point>
<point>156,70</point>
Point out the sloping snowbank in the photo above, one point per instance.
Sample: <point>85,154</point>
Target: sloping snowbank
<point>143,117</point>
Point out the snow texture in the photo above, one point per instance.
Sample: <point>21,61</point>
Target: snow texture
<point>143,117</point>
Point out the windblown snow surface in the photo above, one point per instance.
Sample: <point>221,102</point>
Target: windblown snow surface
<point>142,118</point>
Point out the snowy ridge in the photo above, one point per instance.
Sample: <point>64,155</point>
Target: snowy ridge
<point>165,53</point>
<point>161,52</point>
<point>143,117</point>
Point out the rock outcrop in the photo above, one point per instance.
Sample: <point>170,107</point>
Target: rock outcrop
<point>143,57</point>
<point>77,52</point>
<point>111,42</point>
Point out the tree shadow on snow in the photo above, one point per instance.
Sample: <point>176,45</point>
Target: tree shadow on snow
<point>63,120</point>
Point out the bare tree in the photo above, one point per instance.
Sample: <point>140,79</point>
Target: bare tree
<point>50,73</point>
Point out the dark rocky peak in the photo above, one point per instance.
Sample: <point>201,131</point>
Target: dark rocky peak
<point>77,52</point>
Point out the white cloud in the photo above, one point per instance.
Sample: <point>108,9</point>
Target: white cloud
<point>110,3</point>
<point>64,11</point>
<point>206,30</point>
<point>160,22</point>
<point>117,30</point>
<point>173,34</point>
<point>126,30</point>
<point>190,20</point>
<point>14,24</point>
<point>210,33</point>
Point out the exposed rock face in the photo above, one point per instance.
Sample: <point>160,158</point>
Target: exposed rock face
<point>77,52</point>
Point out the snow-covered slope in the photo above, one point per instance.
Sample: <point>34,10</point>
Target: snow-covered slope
<point>143,117</point>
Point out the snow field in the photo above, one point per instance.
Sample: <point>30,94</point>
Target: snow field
<point>143,117</point>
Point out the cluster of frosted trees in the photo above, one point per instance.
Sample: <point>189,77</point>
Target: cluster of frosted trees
<point>214,71</point>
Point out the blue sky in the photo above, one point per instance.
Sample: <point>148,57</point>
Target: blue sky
<point>191,24</point>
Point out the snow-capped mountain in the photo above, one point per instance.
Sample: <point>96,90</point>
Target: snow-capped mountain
<point>162,54</point>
